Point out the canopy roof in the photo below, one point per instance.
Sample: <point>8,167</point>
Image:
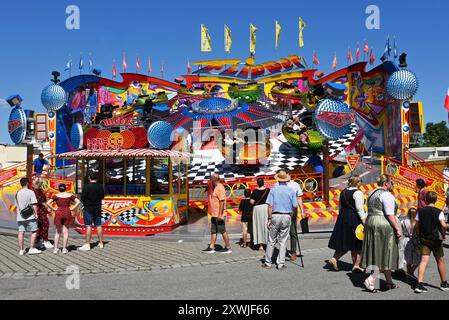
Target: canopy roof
<point>135,153</point>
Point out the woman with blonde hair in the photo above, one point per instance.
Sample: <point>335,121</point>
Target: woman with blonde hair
<point>351,215</point>
<point>382,233</point>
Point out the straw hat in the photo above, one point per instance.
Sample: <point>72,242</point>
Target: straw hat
<point>282,176</point>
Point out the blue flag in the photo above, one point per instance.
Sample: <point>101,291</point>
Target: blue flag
<point>387,51</point>
<point>395,48</point>
<point>68,66</point>
<point>81,65</point>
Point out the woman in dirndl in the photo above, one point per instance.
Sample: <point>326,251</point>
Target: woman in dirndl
<point>351,215</point>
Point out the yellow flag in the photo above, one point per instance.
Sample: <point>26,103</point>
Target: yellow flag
<point>228,39</point>
<point>278,33</point>
<point>302,26</point>
<point>206,45</point>
<point>252,38</point>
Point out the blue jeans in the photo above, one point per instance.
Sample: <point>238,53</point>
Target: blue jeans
<point>91,218</point>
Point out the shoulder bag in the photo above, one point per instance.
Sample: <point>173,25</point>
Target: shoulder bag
<point>26,213</point>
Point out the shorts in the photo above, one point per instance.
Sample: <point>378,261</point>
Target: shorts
<point>63,219</point>
<point>92,218</point>
<point>432,246</point>
<point>217,226</point>
<point>28,226</point>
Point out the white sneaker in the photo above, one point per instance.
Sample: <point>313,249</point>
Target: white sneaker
<point>48,245</point>
<point>86,247</point>
<point>34,251</point>
<point>101,245</point>
<point>21,252</point>
<point>65,251</point>
<point>56,251</point>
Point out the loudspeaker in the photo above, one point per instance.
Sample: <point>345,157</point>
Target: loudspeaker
<point>14,100</point>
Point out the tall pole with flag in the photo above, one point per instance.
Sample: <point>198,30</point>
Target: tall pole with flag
<point>302,26</point>
<point>316,61</point>
<point>372,58</point>
<point>114,70</point>
<point>446,103</point>
<point>206,42</point>
<point>68,66</point>
<point>365,50</point>
<point>125,64</point>
<point>162,70</point>
<point>138,64</point>
<point>387,50</point>
<point>278,33</point>
<point>335,62</point>
<point>350,57</point>
<point>189,67</point>
<point>227,38</point>
<point>395,53</point>
<point>91,63</point>
<point>81,63</point>
<point>358,53</point>
<point>252,38</point>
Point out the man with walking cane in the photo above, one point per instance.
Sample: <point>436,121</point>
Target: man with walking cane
<point>282,202</point>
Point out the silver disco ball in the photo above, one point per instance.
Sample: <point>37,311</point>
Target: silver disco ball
<point>333,118</point>
<point>402,85</point>
<point>53,97</point>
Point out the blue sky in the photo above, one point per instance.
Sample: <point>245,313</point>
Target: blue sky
<point>34,40</point>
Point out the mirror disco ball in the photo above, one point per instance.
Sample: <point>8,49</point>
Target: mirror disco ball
<point>327,128</point>
<point>402,85</point>
<point>53,97</point>
<point>159,135</point>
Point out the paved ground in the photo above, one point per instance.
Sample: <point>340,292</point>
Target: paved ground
<point>165,269</point>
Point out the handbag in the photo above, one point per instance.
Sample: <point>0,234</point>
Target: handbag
<point>26,213</point>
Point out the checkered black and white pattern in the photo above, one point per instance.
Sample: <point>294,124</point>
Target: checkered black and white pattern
<point>283,156</point>
<point>130,215</point>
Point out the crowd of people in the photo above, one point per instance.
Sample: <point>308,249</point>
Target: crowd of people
<point>33,209</point>
<point>391,242</point>
<point>268,216</point>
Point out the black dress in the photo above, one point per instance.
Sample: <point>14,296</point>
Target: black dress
<point>343,237</point>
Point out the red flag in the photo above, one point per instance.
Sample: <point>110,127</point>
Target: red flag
<point>150,69</point>
<point>366,47</point>
<point>350,57</point>
<point>316,61</point>
<point>114,71</point>
<point>189,68</point>
<point>357,54</point>
<point>446,102</point>
<point>335,63</point>
<point>372,58</point>
<point>138,64</point>
<point>125,65</point>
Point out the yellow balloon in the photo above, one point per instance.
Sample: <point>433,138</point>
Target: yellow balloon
<point>360,232</point>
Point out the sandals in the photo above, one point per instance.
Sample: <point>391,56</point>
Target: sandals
<point>357,270</point>
<point>370,287</point>
<point>333,264</point>
<point>392,286</point>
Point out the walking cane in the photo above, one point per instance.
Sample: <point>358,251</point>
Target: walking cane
<point>299,246</point>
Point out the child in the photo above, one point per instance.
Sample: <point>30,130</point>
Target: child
<point>409,244</point>
<point>431,230</point>
<point>246,208</point>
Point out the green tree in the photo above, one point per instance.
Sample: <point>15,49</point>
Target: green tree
<point>436,135</point>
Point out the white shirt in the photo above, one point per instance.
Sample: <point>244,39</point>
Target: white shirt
<point>389,203</point>
<point>440,217</point>
<point>359,199</point>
